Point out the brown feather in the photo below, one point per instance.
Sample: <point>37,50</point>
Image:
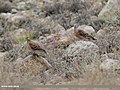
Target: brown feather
<point>34,46</point>
<point>80,33</point>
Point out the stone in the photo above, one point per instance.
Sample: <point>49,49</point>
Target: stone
<point>108,56</point>
<point>110,65</point>
<point>6,44</point>
<point>14,11</point>
<point>58,29</point>
<point>5,6</point>
<point>21,6</point>
<point>28,65</point>
<point>18,20</point>
<point>83,51</point>
<point>6,15</point>
<point>31,65</point>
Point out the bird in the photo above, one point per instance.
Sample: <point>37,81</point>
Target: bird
<point>82,34</point>
<point>34,46</point>
<point>38,57</point>
<point>118,49</point>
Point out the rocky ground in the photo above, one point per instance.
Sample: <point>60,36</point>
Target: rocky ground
<point>51,24</point>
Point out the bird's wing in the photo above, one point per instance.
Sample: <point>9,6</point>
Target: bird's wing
<point>35,46</point>
<point>84,34</point>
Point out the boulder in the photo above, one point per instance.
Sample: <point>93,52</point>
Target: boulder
<point>6,44</point>
<point>58,29</point>
<point>28,65</point>
<point>5,6</point>
<point>21,6</point>
<point>5,16</point>
<point>11,55</point>
<point>18,20</point>
<point>83,50</point>
<point>110,65</point>
<point>14,11</point>
<point>108,56</point>
<point>31,65</point>
<point>109,42</point>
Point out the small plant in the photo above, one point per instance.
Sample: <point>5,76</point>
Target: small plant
<point>21,38</point>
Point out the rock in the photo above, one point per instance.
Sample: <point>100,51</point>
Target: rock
<point>6,44</point>
<point>14,11</point>
<point>17,52</point>
<point>83,52</point>
<point>31,65</point>
<point>21,6</point>
<point>18,20</point>
<point>11,56</point>
<point>116,40</point>
<point>42,14</point>
<point>28,65</point>
<point>57,29</point>
<point>108,56</point>
<point>69,32</point>
<point>6,15</point>
<point>91,67</point>
<point>110,9</point>
<point>31,3</point>
<point>69,35</point>
<point>47,22</point>
<point>110,65</point>
<point>5,6</point>
<point>109,42</point>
